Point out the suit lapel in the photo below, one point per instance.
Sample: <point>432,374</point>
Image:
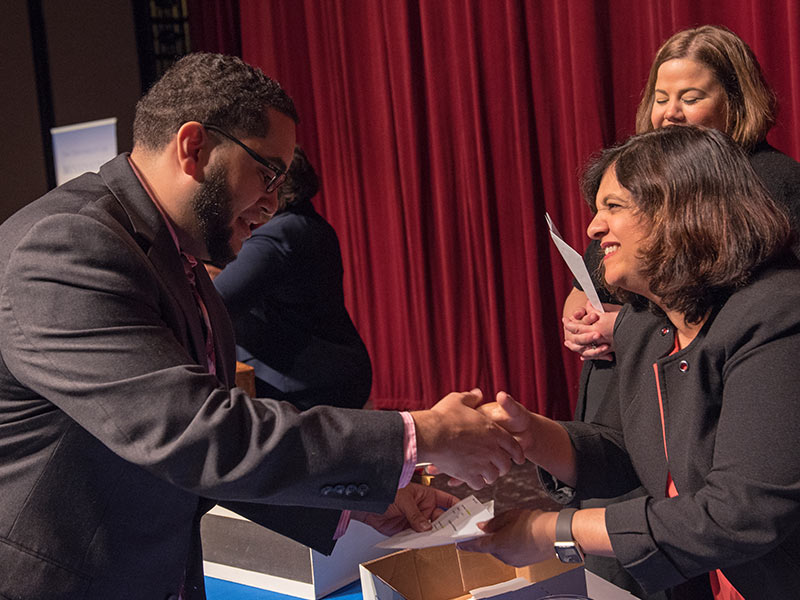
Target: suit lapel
<point>168,265</point>
<point>152,235</point>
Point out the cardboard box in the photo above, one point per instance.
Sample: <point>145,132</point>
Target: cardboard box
<point>445,573</point>
<point>238,550</point>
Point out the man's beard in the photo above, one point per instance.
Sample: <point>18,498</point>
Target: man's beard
<point>212,208</point>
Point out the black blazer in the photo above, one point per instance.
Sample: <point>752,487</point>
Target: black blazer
<point>731,417</point>
<point>112,435</point>
<point>284,295</point>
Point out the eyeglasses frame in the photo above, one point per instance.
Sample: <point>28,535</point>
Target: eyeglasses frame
<point>279,177</point>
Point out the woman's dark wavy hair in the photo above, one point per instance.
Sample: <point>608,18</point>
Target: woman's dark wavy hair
<point>208,88</point>
<point>302,182</point>
<point>709,221</point>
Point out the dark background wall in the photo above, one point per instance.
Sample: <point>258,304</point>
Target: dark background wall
<point>22,163</point>
<point>89,56</point>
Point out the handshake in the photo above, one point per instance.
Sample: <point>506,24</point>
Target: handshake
<point>472,442</point>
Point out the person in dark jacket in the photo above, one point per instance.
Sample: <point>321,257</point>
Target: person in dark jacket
<point>702,409</point>
<point>120,425</point>
<point>284,295</point>
<point>703,76</point>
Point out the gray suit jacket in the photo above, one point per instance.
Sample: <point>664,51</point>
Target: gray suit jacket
<point>113,437</point>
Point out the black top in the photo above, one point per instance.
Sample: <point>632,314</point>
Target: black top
<point>284,294</point>
<point>781,176</point>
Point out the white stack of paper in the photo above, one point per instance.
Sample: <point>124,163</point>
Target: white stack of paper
<point>457,524</point>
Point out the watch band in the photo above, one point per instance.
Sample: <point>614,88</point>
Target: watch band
<point>564,525</point>
<point>567,549</point>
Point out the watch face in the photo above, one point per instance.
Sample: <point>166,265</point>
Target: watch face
<point>567,552</point>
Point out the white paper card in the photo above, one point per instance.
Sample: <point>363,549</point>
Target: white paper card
<point>575,263</point>
<point>457,524</point>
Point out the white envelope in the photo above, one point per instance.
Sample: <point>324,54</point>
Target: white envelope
<point>575,263</point>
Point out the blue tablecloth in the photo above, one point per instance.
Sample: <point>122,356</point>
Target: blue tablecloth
<point>217,589</point>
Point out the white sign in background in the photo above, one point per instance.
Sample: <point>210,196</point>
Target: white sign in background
<point>83,147</point>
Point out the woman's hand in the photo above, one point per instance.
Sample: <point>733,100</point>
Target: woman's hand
<point>543,441</point>
<point>515,419</point>
<point>518,537</point>
<point>590,333</point>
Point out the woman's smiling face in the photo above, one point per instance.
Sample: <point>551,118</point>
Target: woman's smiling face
<point>618,227</point>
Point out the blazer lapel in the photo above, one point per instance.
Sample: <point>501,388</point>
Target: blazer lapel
<point>169,266</point>
<point>152,235</point>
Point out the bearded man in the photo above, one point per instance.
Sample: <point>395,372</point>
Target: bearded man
<point>119,422</point>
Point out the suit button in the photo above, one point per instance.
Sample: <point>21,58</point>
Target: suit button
<point>664,330</point>
<point>363,490</point>
<point>683,366</point>
<point>351,490</point>
<point>339,490</point>
<point>326,490</point>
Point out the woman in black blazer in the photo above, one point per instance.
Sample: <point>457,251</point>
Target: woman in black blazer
<point>704,413</point>
<point>706,76</point>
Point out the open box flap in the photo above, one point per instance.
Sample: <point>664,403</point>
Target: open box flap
<point>445,573</point>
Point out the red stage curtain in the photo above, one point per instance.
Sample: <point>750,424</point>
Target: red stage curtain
<point>443,130</point>
<point>214,26</point>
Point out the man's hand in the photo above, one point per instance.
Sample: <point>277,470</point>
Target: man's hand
<point>415,506</point>
<point>462,442</point>
<point>515,419</point>
<point>518,537</point>
<point>511,416</point>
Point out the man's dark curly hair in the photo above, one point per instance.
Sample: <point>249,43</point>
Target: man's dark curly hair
<point>710,223</point>
<point>209,88</point>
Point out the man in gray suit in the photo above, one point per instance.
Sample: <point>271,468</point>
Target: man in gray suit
<point>119,425</point>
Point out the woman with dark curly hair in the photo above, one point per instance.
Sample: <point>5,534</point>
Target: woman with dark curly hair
<point>700,76</point>
<point>701,412</point>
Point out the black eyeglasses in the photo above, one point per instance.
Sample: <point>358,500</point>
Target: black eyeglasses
<point>279,175</point>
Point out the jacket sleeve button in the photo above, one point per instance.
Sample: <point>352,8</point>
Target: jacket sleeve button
<point>326,490</point>
<point>339,490</point>
<point>363,490</point>
<point>351,490</point>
